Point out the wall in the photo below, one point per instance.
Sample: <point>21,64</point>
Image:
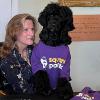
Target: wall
<point>8,8</point>
<point>4,17</point>
<point>85,55</point>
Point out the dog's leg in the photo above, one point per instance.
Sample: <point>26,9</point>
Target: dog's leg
<point>64,89</point>
<point>41,83</point>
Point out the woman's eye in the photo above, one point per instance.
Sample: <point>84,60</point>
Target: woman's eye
<point>25,29</point>
<point>32,29</point>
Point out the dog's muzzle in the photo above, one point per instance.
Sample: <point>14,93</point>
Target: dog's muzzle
<point>54,24</point>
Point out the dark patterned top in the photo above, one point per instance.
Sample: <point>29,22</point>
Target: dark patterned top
<point>17,72</point>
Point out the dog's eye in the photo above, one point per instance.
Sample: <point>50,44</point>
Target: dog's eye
<point>51,15</point>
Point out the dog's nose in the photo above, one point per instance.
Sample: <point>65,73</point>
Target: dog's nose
<point>51,26</point>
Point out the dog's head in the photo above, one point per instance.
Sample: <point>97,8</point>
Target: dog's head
<point>57,21</point>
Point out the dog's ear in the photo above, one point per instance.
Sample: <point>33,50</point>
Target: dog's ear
<point>50,9</point>
<point>67,15</point>
<point>42,19</point>
<point>65,38</point>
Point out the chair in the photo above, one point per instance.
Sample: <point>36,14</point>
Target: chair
<point>1,43</point>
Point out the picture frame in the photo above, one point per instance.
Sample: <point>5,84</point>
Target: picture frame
<point>80,3</point>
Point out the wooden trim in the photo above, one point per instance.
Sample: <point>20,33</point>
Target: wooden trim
<point>87,28</point>
<point>2,93</point>
<point>80,3</point>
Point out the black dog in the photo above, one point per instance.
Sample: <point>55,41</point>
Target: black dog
<point>57,21</point>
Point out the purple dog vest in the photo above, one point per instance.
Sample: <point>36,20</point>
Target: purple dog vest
<point>87,94</point>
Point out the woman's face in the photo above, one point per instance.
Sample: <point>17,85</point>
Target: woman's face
<point>27,35</point>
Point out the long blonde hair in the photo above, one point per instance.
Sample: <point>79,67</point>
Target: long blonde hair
<point>14,26</point>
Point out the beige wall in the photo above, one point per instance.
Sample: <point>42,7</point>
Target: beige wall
<point>33,6</point>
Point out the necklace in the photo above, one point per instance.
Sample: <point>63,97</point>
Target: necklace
<point>20,74</point>
<point>25,56</point>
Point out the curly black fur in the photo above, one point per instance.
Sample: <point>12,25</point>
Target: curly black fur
<point>64,89</point>
<point>57,21</point>
<point>41,83</point>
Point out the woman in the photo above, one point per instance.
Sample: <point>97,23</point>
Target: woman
<point>15,54</point>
